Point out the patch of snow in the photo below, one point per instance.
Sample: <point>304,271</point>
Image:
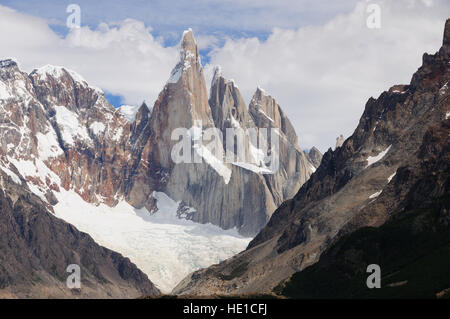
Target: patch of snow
<point>165,247</point>
<point>234,122</point>
<point>4,92</point>
<point>375,195</point>
<point>69,125</point>
<point>97,127</point>
<point>36,168</point>
<point>373,159</point>
<point>117,134</point>
<point>175,75</point>
<point>40,174</point>
<point>391,177</point>
<point>253,168</point>
<point>233,83</point>
<point>52,70</point>
<point>262,112</point>
<point>257,155</point>
<point>217,74</point>
<point>58,71</point>
<point>129,111</point>
<point>195,134</point>
<point>48,146</point>
<point>311,167</point>
<point>443,89</point>
<point>187,31</point>
<point>447,115</point>
<point>11,174</point>
<point>217,164</point>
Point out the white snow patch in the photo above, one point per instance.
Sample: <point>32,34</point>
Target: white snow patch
<point>262,112</point>
<point>39,172</point>
<point>36,168</point>
<point>4,92</point>
<point>11,174</point>
<point>165,247</point>
<point>447,115</point>
<point>48,146</point>
<point>391,177</point>
<point>52,70</point>
<point>97,127</point>
<point>253,168</point>
<point>129,111</point>
<point>443,89</point>
<point>373,159</point>
<point>375,195</point>
<point>69,125</point>
<point>234,122</point>
<point>175,75</point>
<point>217,164</point>
<point>58,71</point>
<point>117,134</point>
<point>195,134</point>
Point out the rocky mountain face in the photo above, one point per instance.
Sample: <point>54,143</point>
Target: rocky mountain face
<point>58,131</point>
<point>211,189</point>
<point>412,247</point>
<point>393,160</point>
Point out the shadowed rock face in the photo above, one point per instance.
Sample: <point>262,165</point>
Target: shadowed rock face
<point>36,248</point>
<point>226,195</point>
<point>365,182</point>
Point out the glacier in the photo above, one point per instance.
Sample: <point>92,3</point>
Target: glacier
<point>162,245</point>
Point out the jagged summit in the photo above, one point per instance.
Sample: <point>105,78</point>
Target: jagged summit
<point>446,40</point>
<point>189,57</point>
<point>188,47</point>
<point>188,41</point>
<point>315,156</point>
<point>8,63</point>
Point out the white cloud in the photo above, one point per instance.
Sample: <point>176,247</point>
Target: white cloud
<point>323,75</point>
<point>122,58</point>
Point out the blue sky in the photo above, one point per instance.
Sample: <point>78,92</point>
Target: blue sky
<point>317,58</point>
<point>168,19</point>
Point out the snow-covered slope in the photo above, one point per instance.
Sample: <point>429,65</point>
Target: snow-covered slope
<point>165,247</point>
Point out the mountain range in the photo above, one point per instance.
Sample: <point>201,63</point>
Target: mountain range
<point>64,146</point>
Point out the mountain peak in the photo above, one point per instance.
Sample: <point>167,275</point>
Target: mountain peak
<point>188,41</point>
<point>7,63</point>
<point>217,74</point>
<point>446,40</point>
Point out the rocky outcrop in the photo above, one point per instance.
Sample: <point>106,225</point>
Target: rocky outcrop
<point>364,182</point>
<point>339,141</point>
<point>294,167</point>
<point>315,156</point>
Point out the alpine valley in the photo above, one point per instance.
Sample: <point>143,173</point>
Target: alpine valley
<point>82,182</point>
